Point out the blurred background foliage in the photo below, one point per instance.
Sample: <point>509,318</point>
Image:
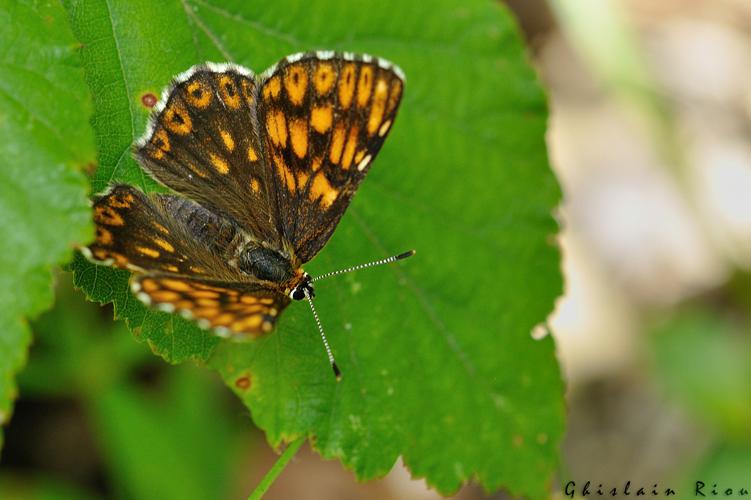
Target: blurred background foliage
<point>650,137</point>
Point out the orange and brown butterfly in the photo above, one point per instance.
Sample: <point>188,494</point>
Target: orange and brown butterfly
<point>262,169</point>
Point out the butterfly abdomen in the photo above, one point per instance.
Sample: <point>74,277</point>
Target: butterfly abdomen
<point>204,226</point>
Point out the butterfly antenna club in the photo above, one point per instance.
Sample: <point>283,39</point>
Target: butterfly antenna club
<point>379,262</point>
<point>332,361</point>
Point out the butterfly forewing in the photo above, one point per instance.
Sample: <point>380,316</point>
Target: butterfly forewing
<point>324,119</point>
<point>204,143</point>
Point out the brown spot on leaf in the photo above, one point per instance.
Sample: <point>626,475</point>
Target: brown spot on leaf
<point>148,100</point>
<point>243,382</point>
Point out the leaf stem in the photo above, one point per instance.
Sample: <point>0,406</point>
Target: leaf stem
<point>277,469</point>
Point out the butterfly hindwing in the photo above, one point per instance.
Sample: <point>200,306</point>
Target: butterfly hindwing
<point>230,309</point>
<point>203,142</point>
<point>323,118</point>
<point>179,251</point>
<point>160,232</point>
<point>132,234</point>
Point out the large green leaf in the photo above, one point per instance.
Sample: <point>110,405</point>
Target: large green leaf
<point>439,365</point>
<point>46,141</point>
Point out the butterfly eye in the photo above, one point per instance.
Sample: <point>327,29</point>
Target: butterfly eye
<point>297,294</point>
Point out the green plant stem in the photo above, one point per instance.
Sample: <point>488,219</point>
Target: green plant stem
<point>277,469</point>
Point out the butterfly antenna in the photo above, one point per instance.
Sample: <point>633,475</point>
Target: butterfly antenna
<point>332,361</point>
<point>388,260</point>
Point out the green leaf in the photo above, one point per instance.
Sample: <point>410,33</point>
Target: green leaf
<point>78,351</point>
<point>144,438</point>
<point>439,365</point>
<point>44,113</point>
<point>704,360</point>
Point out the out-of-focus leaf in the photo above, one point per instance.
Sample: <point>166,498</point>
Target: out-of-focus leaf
<point>46,141</point>
<point>725,468</point>
<point>704,360</point>
<point>177,445</point>
<point>17,486</point>
<point>75,353</point>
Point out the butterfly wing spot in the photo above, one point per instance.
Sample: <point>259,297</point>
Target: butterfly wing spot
<point>108,216</point>
<point>272,88</point>
<point>206,313</point>
<point>322,188</point>
<point>198,171</point>
<point>252,154</point>
<point>362,164</point>
<point>321,118</point>
<point>337,143</point>
<point>347,85</point>
<point>161,144</point>
<point>276,126</point>
<point>172,284</point>
<point>255,185</point>
<point>103,236</point>
<point>148,252</point>
<point>323,78</point>
<point>378,107</point>
<point>285,175</point>
<point>165,296</point>
<point>364,86</point>
<point>302,179</point>
<point>229,141</point>
<point>248,323</point>
<point>349,150</point>
<point>224,319</point>
<point>171,268</point>
<point>384,128</point>
<point>296,83</point>
<point>206,302</point>
<point>177,119</point>
<point>219,164</point>
<point>159,227</point>
<point>298,132</point>
<point>121,200</point>
<point>228,92</point>
<point>198,94</point>
<point>164,245</point>
<point>359,156</point>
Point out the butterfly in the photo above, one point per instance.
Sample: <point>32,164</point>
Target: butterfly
<point>262,168</point>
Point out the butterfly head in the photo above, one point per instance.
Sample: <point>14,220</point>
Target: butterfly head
<point>304,289</point>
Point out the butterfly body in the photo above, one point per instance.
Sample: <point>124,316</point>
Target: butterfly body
<point>262,169</point>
